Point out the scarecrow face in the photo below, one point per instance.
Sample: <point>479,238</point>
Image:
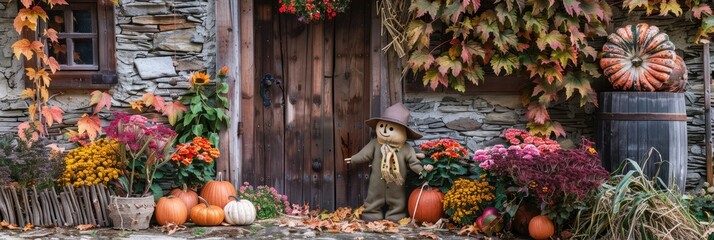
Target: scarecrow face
<point>391,132</point>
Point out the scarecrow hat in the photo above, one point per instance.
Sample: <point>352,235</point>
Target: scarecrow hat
<point>398,114</point>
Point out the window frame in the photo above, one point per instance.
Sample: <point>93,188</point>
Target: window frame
<point>491,84</point>
<point>102,78</point>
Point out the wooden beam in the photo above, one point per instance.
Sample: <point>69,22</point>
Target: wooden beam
<point>229,54</point>
<point>247,85</point>
<point>707,111</point>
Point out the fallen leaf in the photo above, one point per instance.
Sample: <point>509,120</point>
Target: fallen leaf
<point>4,224</point>
<point>54,148</point>
<point>357,214</point>
<point>28,227</point>
<point>428,234</point>
<point>172,228</point>
<point>404,221</point>
<point>85,227</point>
<point>12,227</point>
<point>468,230</point>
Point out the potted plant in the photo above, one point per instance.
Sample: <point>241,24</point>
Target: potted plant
<point>143,148</point>
<point>444,163</point>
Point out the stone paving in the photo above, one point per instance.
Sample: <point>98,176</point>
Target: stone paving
<point>256,231</point>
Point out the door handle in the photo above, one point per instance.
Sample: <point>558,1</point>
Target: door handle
<point>265,84</point>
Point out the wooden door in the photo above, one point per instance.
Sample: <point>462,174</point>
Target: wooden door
<point>317,118</point>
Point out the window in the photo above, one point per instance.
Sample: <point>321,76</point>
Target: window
<point>85,49</point>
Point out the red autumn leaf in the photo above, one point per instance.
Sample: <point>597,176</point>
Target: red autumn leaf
<point>155,101</point>
<point>27,3</point>
<point>28,93</point>
<point>554,39</point>
<point>101,99</point>
<point>52,114</point>
<point>537,113</point>
<point>667,6</point>
<point>421,60</point>
<point>33,15</point>
<point>22,47</point>
<point>90,125</point>
<point>572,7</point>
<point>20,23</point>
<point>422,7</point>
<point>174,111</point>
<point>445,64</point>
<point>57,2</point>
<point>53,64</point>
<point>701,8</point>
<point>51,34</point>
<point>41,76</point>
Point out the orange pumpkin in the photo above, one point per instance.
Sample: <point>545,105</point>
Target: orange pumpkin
<point>541,227</point>
<point>205,214</point>
<point>218,192</point>
<point>678,79</point>
<point>188,196</point>
<point>638,57</point>
<point>171,209</point>
<point>429,208</point>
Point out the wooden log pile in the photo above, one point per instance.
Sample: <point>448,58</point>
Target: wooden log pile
<point>66,206</point>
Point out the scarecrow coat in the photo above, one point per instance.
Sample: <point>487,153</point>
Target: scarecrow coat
<point>381,193</point>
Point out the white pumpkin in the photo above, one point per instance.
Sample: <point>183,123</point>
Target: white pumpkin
<point>239,212</point>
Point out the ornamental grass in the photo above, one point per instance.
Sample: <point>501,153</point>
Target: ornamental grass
<point>633,206</point>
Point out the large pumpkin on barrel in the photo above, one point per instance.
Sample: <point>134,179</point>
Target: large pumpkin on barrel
<point>638,57</point>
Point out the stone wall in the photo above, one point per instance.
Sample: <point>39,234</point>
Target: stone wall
<point>477,120</point>
<point>158,44</point>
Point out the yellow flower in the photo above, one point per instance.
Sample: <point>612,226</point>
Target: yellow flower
<point>199,78</point>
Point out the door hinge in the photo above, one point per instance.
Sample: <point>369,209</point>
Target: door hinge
<point>240,129</point>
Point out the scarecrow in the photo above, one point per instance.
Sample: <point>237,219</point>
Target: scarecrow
<point>389,156</point>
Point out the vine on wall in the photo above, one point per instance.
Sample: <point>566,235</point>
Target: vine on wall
<point>451,42</point>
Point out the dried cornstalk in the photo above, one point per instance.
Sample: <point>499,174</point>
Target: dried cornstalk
<point>394,15</point>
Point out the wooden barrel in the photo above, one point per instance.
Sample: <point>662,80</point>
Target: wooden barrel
<point>629,124</point>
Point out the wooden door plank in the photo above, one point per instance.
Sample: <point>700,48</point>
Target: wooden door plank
<point>295,40</point>
<point>274,115</point>
<point>320,167</point>
<point>224,44</point>
<point>327,123</point>
<point>352,94</point>
<point>247,93</point>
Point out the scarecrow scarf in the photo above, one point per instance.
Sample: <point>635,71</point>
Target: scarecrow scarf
<point>390,163</point>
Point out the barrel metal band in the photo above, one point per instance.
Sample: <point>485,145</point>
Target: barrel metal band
<point>644,116</point>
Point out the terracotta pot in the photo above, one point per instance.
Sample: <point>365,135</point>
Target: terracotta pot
<point>133,213</point>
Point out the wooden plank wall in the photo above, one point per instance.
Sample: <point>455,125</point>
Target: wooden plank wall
<point>352,78</point>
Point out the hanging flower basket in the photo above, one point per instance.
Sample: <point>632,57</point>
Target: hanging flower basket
<point>309,11</point>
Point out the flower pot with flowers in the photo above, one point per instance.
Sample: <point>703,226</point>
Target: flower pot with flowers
<point>144,147</point>
<point>309,11</point>
<point>445,161</point>
<point>558,181</point>
<point>195,162</point>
